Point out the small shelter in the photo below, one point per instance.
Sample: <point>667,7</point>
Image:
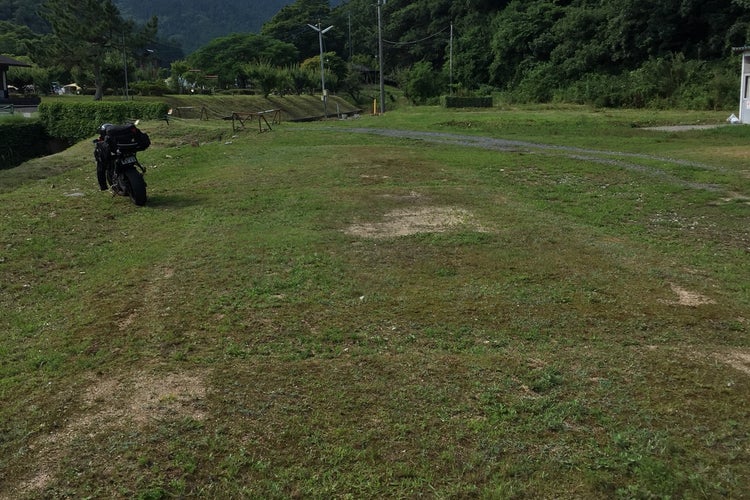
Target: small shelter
<point>5,64</point>
<point>744,83</point>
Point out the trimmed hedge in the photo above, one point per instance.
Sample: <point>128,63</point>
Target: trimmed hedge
<point>467,102</point>
<point>22,140</point>
<point>76,121</point>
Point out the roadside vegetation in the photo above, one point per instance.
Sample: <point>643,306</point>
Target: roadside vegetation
<point>635,54</point>
<point>332,309</point>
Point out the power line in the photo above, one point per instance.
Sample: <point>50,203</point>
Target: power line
<point>414,42</point>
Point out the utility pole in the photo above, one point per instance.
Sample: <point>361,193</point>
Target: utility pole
<point>451,61</point>
<point>380,58</point>
<point>125,66</point>
<point>351,48</point>
<point>322,68</point>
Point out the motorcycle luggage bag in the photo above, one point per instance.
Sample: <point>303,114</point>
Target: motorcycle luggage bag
<point>127,138</point>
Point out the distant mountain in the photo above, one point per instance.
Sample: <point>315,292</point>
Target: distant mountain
<point>193,23</point>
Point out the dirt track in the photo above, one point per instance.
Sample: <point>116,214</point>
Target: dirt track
<point>628,161</point>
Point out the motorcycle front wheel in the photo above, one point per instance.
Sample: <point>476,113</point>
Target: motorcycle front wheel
<point>137,186</point>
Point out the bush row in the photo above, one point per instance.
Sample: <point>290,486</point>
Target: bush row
<point>467,102</point>
<point>22,140</point>
<point>77,121</point>
<point>671,81</point>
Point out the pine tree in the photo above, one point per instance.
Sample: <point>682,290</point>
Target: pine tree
<point>85,31</point>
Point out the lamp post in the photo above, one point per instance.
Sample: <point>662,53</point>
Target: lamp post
<point>322,68</point>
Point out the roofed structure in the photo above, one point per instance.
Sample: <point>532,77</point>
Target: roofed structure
<point>5,64</point>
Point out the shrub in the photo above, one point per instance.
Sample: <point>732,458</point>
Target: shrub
<point>22,139</point>
<point>467,102</point>
<point>422,84</point>
<point>76,121</point>
<point>150,88</point>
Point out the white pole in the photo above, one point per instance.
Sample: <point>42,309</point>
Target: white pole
<point>322,68</point>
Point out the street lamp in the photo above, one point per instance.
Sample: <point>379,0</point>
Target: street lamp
<point>322,68</point>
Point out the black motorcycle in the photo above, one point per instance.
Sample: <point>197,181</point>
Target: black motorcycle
<point>117,167</point>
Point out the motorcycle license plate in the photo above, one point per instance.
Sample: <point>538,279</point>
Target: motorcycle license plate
<point>128,160</point>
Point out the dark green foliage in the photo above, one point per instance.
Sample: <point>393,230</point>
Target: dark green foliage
<point>267,77</point>
<point>149,88</point>
<point>23,13</point>
<point>290,25</point>
<point>228,57</point>
<point>77,121</point>
<point>467,102</point>
<point>15,38</point>
<point>422,84</point>
<point>632,53</point>
<point>193,24</point>
<point>670,81</point>
<point>22,140</point>
<point>86,32</point>
<point>615,53</point>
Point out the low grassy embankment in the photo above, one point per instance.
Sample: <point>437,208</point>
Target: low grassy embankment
<point>293,107</point>
<point>322,312</point>
<point>215,107</point>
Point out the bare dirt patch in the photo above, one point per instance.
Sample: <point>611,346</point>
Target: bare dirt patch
<point>405,222</point>
<point>688,298</point>
<point>107,405</point>
<point>739,360</point>
<point>734,197</point>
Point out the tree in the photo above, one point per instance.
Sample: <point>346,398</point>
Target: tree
<point>228,57</point>
<point>420,31</point>
<point>30,79</point>
<point>85,31</point>
<point>522,39</point>
<point>22,13</point>
<point>300,80</point>
<point>178,70</point>
<point>422,84</point>
<point>290,25</point>
<point>15,39</point>
<point>268,77</point>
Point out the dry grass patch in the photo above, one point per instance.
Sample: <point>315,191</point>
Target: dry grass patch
<point>688,298</point>
<point>737,359</point>
<point>408,221</point>
<point>108,405</point>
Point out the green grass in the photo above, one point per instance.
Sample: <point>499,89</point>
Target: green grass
<point>215,107</point>
<point>242,336</point>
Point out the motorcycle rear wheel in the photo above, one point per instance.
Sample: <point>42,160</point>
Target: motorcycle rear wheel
<point>137,186</point>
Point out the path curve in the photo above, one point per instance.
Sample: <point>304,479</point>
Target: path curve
<point>611,158</point>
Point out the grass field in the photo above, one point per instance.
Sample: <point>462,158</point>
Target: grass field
<point>335,310</point>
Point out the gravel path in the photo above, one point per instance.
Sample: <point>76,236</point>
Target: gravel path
<point>628,161</point>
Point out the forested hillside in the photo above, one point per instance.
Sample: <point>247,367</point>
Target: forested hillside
<point>192,24</point>
<point>624,53</point>
<point>538,47</point>
<point>187,23</point>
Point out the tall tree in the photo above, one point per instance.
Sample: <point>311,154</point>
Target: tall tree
<point>84,32</point>
<point>15,39</point>
<point>227,57</point>
<point>291,25</point>
<point>23,12</point>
